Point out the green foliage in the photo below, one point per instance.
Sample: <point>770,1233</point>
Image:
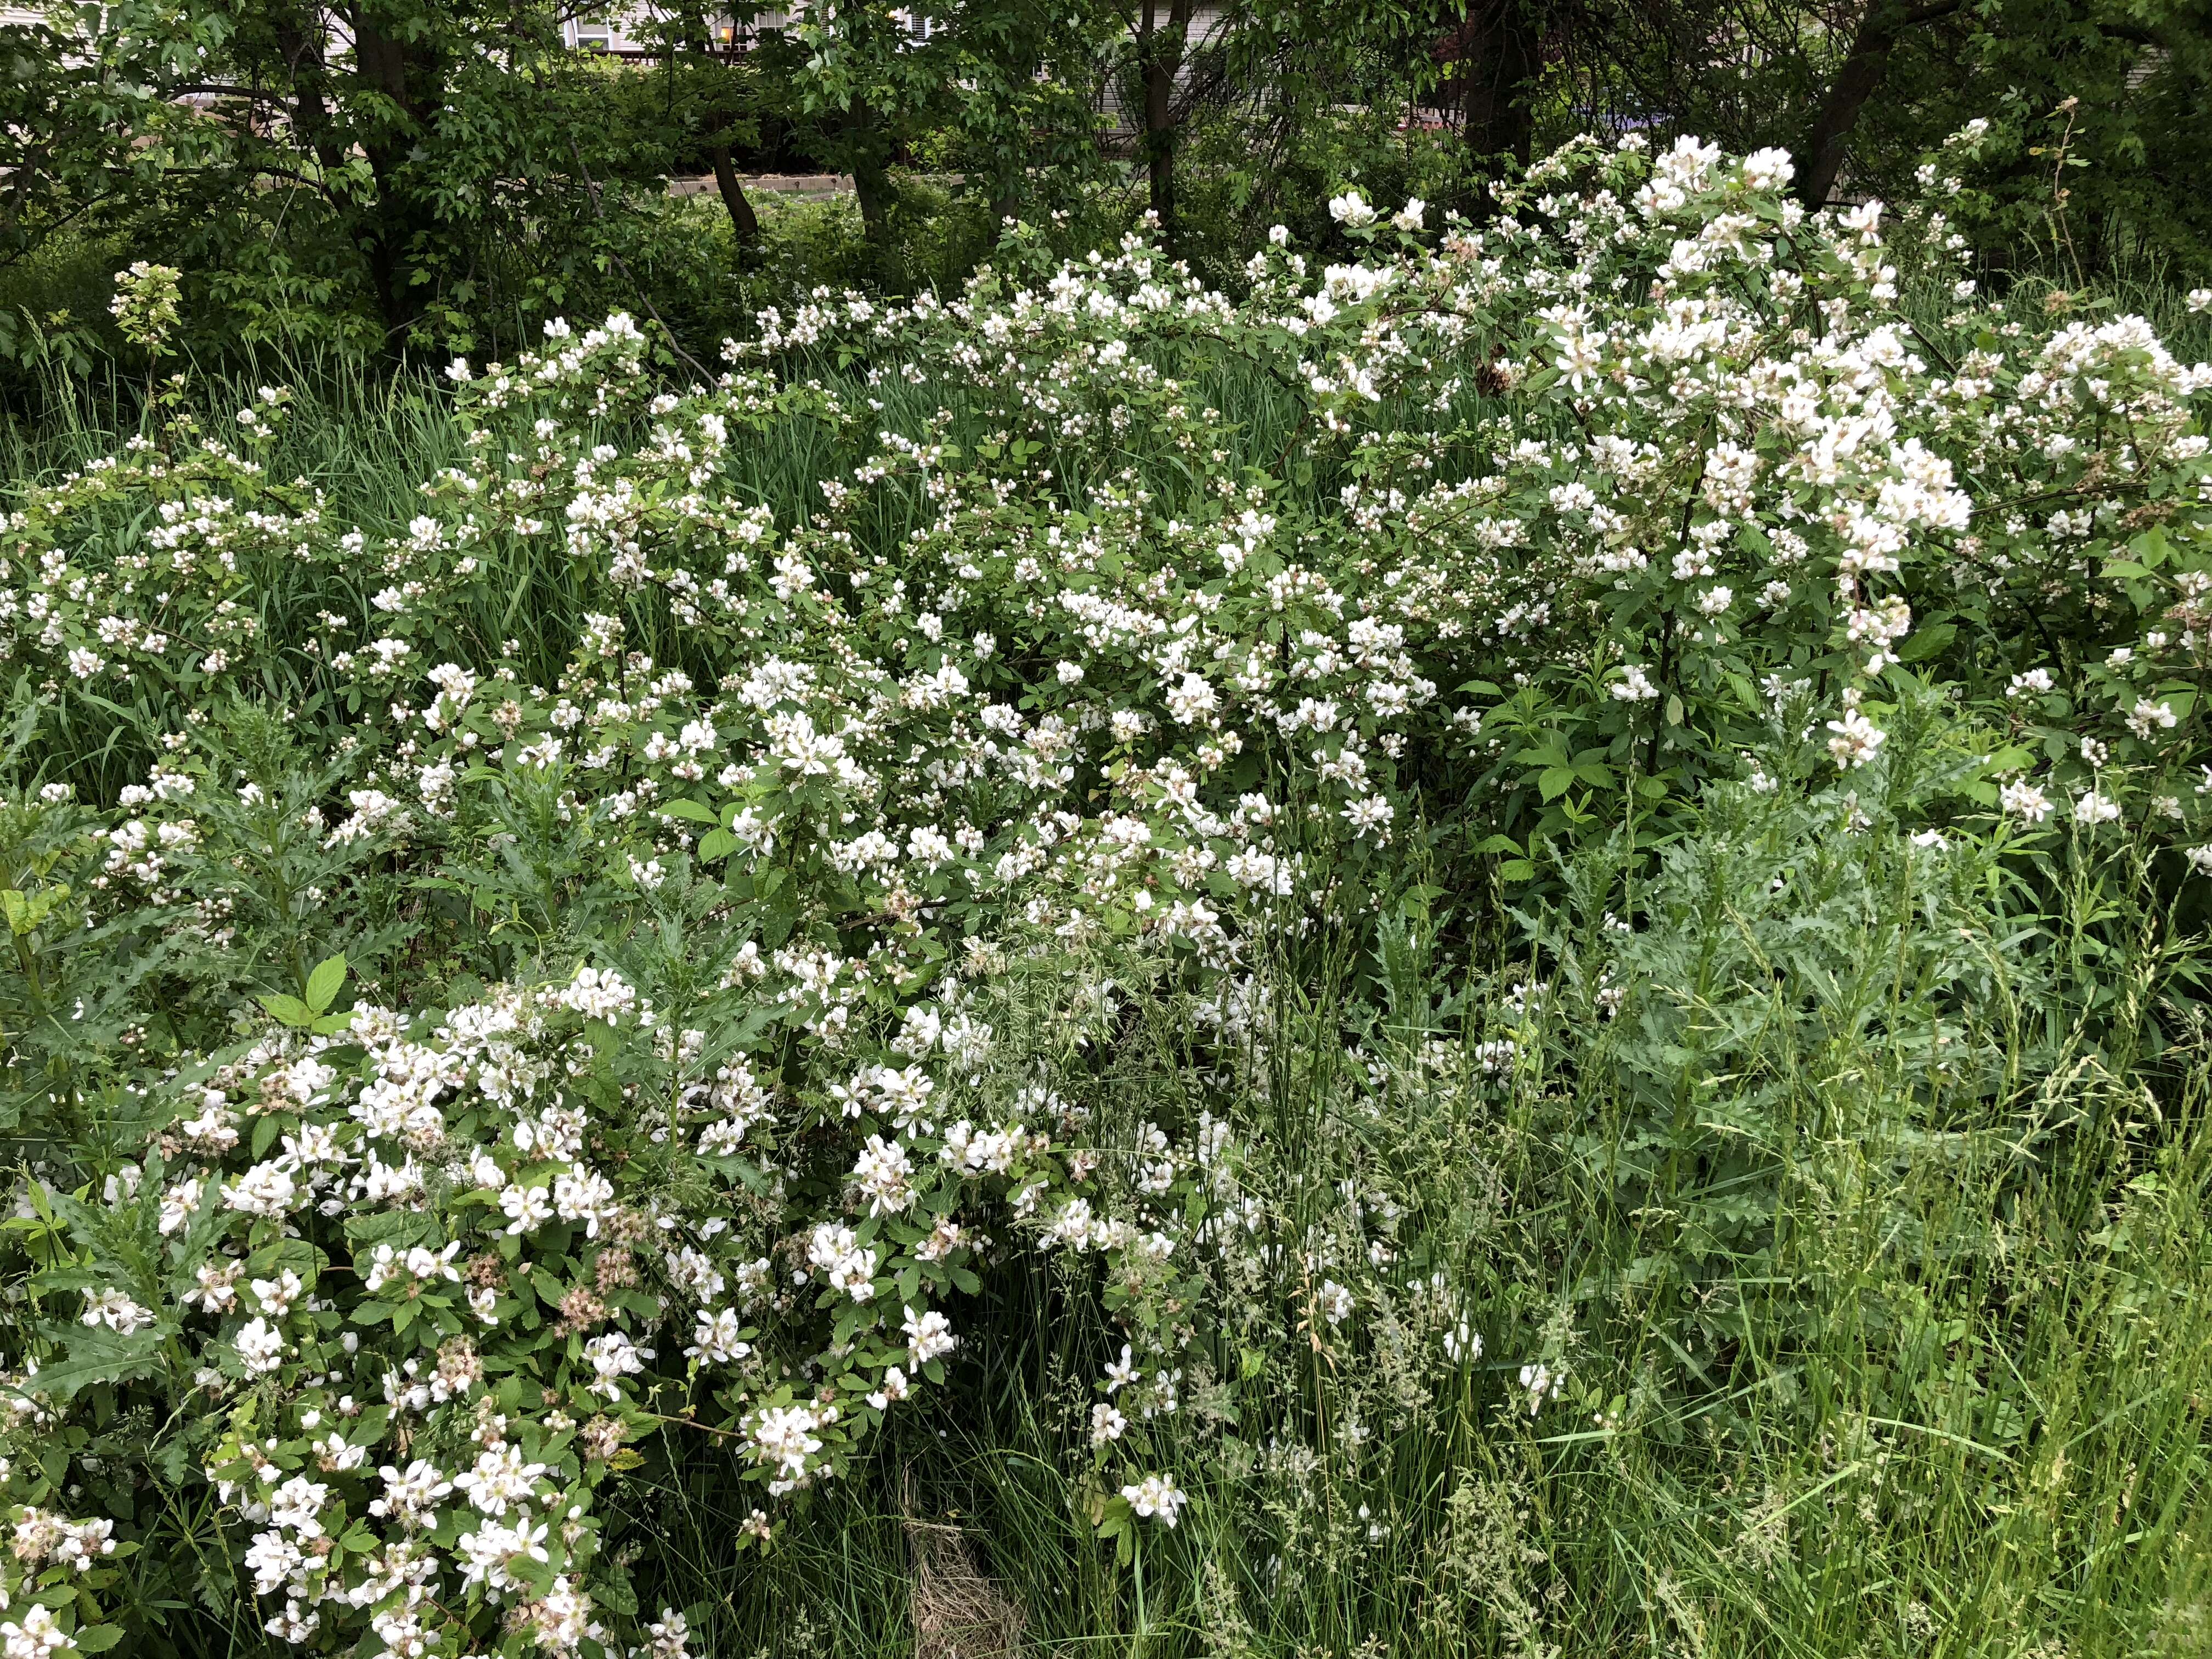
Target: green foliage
<point>1498,949</point>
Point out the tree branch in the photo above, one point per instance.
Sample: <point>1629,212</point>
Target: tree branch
<point>1857,81</point>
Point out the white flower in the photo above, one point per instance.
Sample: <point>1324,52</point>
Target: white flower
<point>1856,739</point>
<point>1768,169</point>
<point>489,1553</point>
<point>527,1208</point>
<point>297,1505</point>
<point>929,1336</point>
<point>1156,1497</point>
<point>2148,717</point>
<point>597,994</point>
<point>1634,685</point>
<point>784,1435</point>
<point>272,1559</point>
<point>117,1311</point>
<point>1351,209</point>
<point>1541,1383</point>
<point>884,1176</point>
<point>501,1480</point>
<point>261,1348</point>
<point>715,1341</point>
<point>267,1190</point>
<point>2094,809</point>
<point>275,1295</point>
<point>1192,701</point>
<point>1120,1373</point>
<point>613,1357</point>
<point>410,1495</point>
<point>36,1636</point>
<point>1369,814</point>
<point>1335,1302</point>
<point>2022,799</point>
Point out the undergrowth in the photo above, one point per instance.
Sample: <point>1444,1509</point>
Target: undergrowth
<point>1496,951</point>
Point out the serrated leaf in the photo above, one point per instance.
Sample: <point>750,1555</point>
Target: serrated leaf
<point>290,1010</point>
<point>99,1356</point>
<point>323,984</point>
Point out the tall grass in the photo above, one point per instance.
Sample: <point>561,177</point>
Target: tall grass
<point>1885,1298</point>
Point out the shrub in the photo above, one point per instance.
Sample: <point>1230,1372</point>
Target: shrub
<point>449,1061</point>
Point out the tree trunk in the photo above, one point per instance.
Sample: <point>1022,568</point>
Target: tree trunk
<point>871,182</point>
<point>743,220</point>
<point>404,222</point>
<point>1163,52</point>
<point>1860,77</point>
<point>1496,64</point>
<point>301,45</point>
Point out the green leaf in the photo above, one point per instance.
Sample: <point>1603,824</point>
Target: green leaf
<point>290,1010</point>
<point>323,983</point>
<point>1115,1518</point>
<point>1926,642</point>
<point>98,1638</point>
<point>716,844</point>
<point>99,1356</point>
<point>2152,547</point>
<point>614,1593</point>
<point>684,808</point>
